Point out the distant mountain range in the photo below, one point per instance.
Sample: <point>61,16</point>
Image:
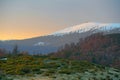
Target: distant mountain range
<point>53,42</point>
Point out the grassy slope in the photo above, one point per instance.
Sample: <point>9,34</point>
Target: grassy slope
<point>25,67</point>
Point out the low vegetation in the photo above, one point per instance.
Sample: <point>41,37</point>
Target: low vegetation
<point>54,68</point>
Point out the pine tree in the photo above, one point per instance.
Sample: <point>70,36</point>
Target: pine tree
<point>15,50</point>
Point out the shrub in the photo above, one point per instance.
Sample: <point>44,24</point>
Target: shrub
<point>65,71</point>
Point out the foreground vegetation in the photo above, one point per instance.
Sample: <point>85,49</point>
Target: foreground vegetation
<point>35,67</point>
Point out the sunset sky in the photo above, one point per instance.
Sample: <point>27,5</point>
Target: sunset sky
<point>20,19</point>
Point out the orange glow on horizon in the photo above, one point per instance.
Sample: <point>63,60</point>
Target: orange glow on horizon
<point>20,36</point>
<point>12,29</point>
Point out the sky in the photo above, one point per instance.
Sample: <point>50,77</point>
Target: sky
<point>20,19</point>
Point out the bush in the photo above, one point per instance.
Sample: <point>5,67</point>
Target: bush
<point>25,70</point>
<point>65,71</point>
<point>49,72</point>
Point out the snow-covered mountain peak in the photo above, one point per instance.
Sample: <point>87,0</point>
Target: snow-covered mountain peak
<point>87,27</point>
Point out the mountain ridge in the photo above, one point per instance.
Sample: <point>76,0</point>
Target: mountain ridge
<point>86,27</point>
<point>52,42</point>
<point>78,29</point>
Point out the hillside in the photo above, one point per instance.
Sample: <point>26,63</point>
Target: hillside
<point>95,57</point>
<point>28,67</point>
<point>97,48</point>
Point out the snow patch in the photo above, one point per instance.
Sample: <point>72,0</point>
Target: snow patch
<point>39,44</point>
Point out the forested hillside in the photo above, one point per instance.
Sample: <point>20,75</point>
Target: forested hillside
<point>97,48</point>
